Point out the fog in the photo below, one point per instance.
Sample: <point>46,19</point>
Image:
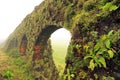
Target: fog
<point>12,12</point>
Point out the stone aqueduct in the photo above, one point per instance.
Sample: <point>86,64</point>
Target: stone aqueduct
<point>31,37</point>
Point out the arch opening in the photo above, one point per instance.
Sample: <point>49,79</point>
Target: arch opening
<point>23,45</point>
<point>42,42</point>
<point>43,53</point>
<point>60,40</point>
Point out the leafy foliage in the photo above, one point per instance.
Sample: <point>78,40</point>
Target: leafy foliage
<point>109,7</point>
<point>98,53</point>
<point>9,75</point>
<point>71,13</point>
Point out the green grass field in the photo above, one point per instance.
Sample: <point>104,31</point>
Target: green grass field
<point>60,42</point>
<point>59,54</point>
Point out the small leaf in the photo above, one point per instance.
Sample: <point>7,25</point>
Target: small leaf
<point>91,52</point>
<point>107,43</point>
<point>103,37</point>
<point>101,51</point>
<point>100,65</point>
<point>111,54</point>
<point>97,46</point>
<point>96,60</point>
<point>86,57</point>
<point>78,46</point>
<point>107,6</point>
<point>102,61</point>
<point>92,65</point>
<point>113,8</point>
<point>110,33</point>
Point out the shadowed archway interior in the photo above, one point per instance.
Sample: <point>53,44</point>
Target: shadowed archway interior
<point>42,49</point>
<point>23,45</point>
<point>41,42</point>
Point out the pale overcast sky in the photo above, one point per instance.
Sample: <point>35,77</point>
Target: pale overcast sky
<point>61,36</point>
<point>12,12</point>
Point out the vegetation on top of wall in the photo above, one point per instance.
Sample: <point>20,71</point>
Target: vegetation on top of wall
<point>92,10</point>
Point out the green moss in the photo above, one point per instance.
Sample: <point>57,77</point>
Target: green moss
<point>84,18</point>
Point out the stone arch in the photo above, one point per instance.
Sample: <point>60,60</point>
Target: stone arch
<point>72,15</point>
<point>23,45</point>
<point>42,40</point>
<point>43,53</point>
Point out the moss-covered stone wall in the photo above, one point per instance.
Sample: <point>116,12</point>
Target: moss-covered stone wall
<point>88,21</point>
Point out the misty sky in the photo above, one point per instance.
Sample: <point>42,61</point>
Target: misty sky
<point>12,12</point>
<point>60,37</point>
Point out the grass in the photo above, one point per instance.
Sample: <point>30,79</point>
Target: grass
<point>59,54</point>
<point>18,69</point>
<point>13,66</point>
